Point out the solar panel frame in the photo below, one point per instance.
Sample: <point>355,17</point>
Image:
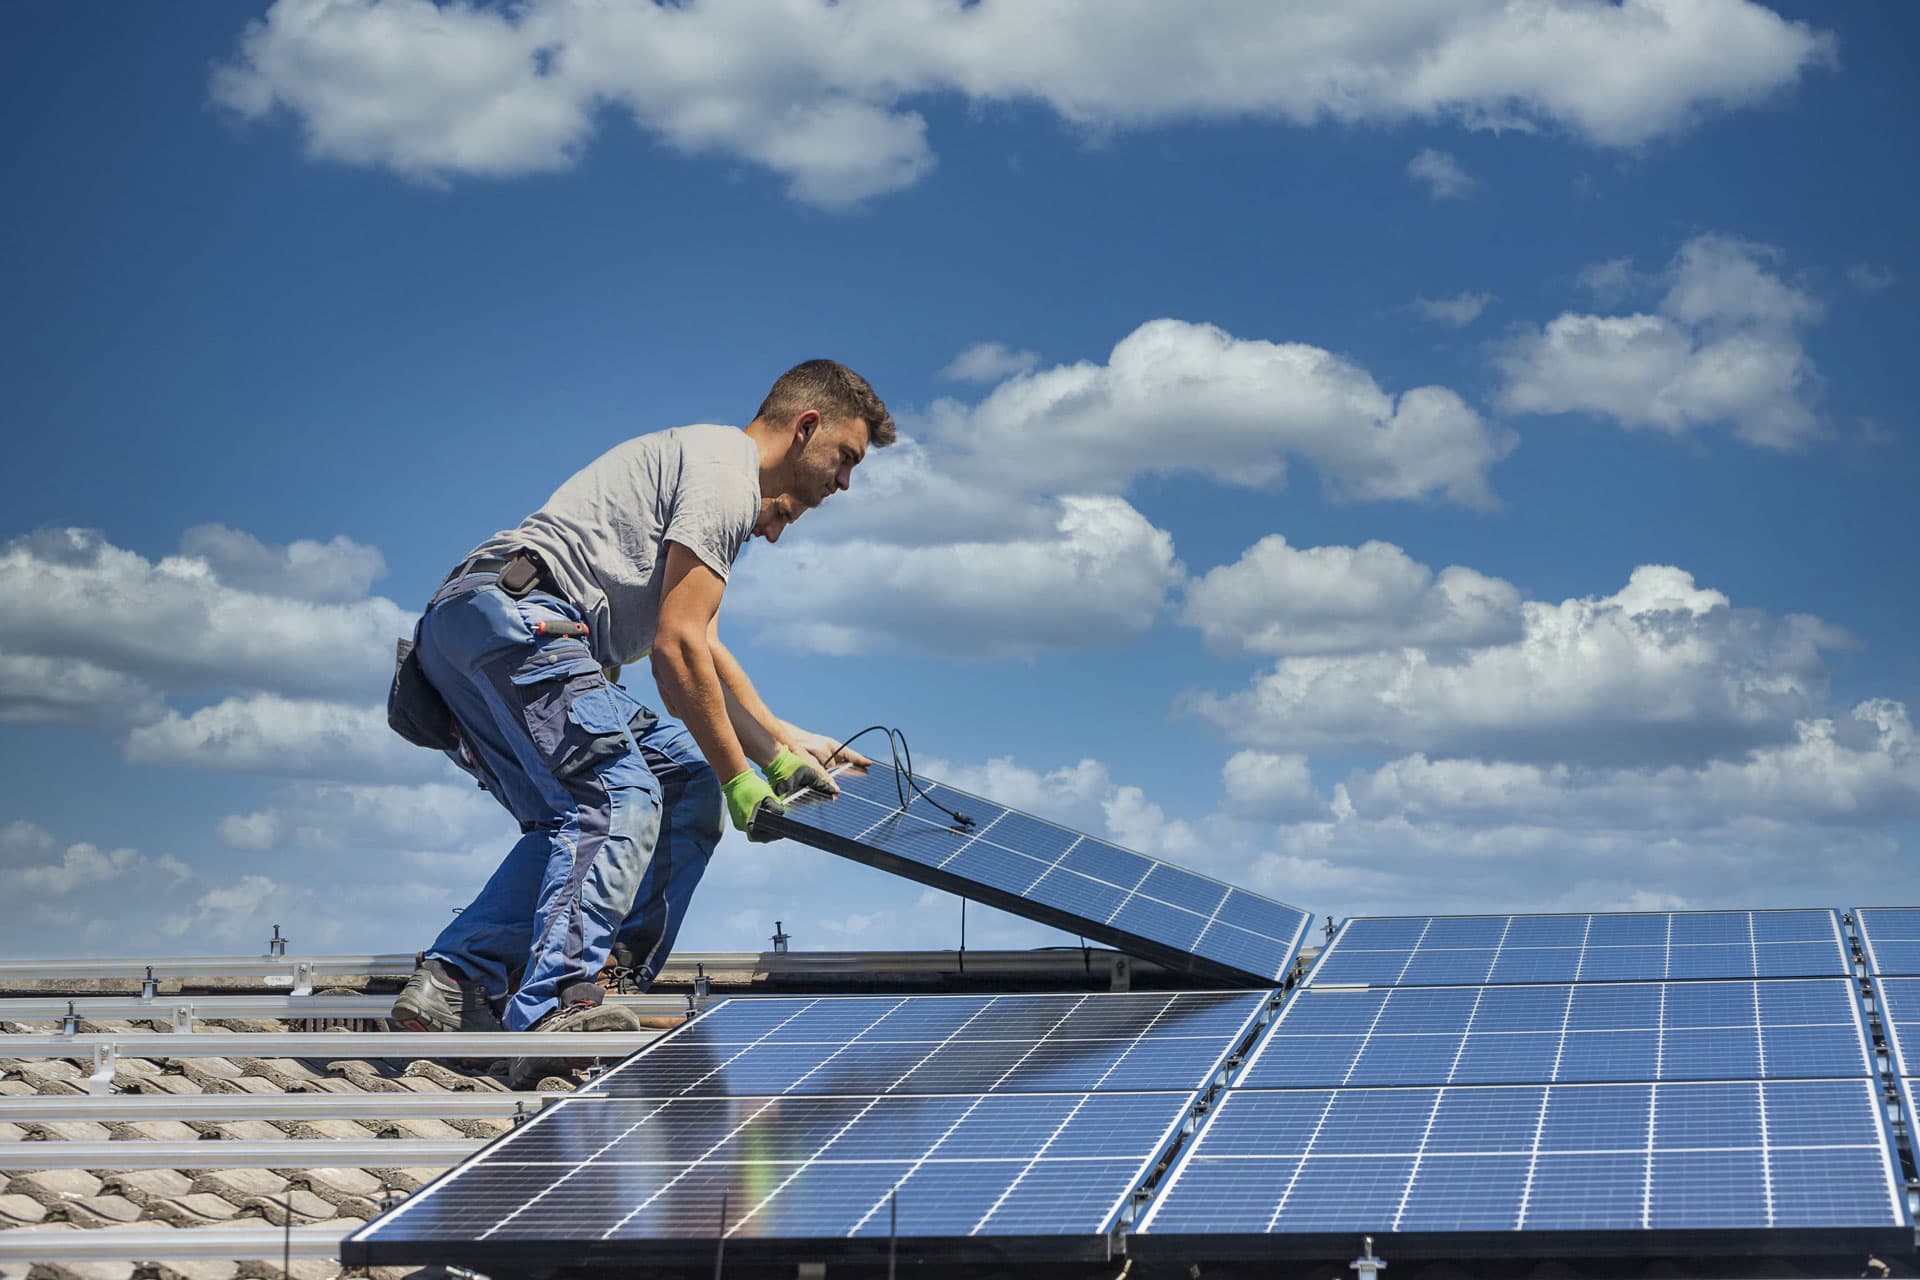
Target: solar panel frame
<point>561,1132</point>
<point>1596,947</point>
<point>1341,1037</point>
<point>1210,1199</point>
<point>1889,939</point>
<point>1088,887</point>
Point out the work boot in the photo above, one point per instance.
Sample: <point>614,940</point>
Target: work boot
<point>581,1015</point>
<point>616,976</point>
<point>439,998</point>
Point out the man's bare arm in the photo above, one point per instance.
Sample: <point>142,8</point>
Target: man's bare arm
<point>750,707</point>
<point>683,660</point>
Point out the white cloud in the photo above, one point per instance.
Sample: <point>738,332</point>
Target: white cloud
<point>817,93</point>
<point>1442,175</point>
<point>1457,312</point>
<point>1178,397</point>
<point>47,690</point>
<point>1616,279</point>
<point>298,737</point>
<point>253,832</point>
<point>53,896</point>
<point>339,570</point>
<point>1724,345</point>
<point>1871,277</point>
<point>1286,600</point>
<point>1261,784</point>
<point>1661,670</point>
<point>988,362</point>
<point>130,629</point>
<point>1101,578</point>
<point>246,910</point>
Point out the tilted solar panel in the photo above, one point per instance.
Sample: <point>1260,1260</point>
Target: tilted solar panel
<point>1811,1155</point>
<point>1890,938</point>
<point>1900,1014</point>
<point>1048,873</point>
<point>1034,1143</point>
<point>1650,946</point>
<point>1542,1034</point>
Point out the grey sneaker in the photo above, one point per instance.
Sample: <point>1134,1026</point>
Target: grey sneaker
<point>435,1000</point>
<point>527,1073</point>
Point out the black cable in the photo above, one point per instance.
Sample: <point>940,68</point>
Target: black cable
<point>902,772</point>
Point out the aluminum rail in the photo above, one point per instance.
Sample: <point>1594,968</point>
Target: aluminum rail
<point>288,970</point>
<point>293,1153</point>
<point>132,1108</point>
<point>334,1044</point>
<point>148,1244</point>
<point>164,1008</point>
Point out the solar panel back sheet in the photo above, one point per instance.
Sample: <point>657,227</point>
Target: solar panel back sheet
<point>1034,868</point>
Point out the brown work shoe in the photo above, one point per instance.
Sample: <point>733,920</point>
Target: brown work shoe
<point>527,1073</point>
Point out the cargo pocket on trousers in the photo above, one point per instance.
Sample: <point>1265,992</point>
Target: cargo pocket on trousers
<point>573,716</point>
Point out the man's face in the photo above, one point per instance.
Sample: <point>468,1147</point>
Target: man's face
<point>821,465</point>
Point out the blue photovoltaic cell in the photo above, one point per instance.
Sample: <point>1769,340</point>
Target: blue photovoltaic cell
<point>1773,1029</point>
<point>1572,1157</point>
<point>1900,1012</point>
<point>1654,946</point>
<point>1892,938</point>
<point>992,1115</point>
<point>611,1170</point>
<point>1025,865</point>
<point>943,1044</point>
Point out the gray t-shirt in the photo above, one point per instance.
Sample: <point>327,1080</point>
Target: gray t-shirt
<point>603,533</point>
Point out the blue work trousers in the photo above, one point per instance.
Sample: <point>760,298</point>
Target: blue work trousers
<point>618,811</point>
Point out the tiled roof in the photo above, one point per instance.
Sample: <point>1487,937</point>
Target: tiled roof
<point>209,1193</point>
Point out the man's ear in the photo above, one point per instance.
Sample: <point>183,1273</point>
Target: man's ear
<point>806,424</point>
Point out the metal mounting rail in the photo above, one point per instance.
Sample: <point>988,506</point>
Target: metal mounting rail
<point>133,1108</point>
<point>282,1008</point>
<point>289,970</point>
<point>335,1044</point>
<point>294,1153</point>
<point>147,1244</point>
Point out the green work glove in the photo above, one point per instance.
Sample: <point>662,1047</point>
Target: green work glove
<point>791,772</point>
<point>748,796</point>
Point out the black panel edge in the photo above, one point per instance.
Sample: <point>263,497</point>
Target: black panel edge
<point>1415,1245</point>
<point>552,1254</point>
<point>1133,944</point>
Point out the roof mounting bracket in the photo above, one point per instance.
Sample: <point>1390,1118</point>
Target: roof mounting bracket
<point>149,985</point>
<point>303,978</point>
<point>1120,976</point>
<point>106,1057</point>
<point>183,1019</point>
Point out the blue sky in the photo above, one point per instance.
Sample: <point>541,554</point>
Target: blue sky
<point>1459,461</point>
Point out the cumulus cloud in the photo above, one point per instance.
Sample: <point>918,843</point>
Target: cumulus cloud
<point>1262,784</point>
<point>1100,577</point>
<point>293,737</point>
<point>432,92</point>
<point>246,910</point>
<point>988,362</point>
<point>1661,670</point>
<point>54,895</point>
<point>46,690</point>
<point>1442,175</point>
<point>1177,397</point>
<point>1856,770</point>
<point>1299,600</point>
<point>336,571</point>
<point>1723,345</point>
<point>129,628</point>
<point>1457,312</point>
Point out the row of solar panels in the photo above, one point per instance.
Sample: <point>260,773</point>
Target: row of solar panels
<point>1414,1085</point>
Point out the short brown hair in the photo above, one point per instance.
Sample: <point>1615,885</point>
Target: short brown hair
<point>835,391</point>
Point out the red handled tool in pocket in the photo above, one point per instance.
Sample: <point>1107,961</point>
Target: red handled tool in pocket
<point>561,627</point>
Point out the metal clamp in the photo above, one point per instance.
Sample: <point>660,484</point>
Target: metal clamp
<point>106,1057</point>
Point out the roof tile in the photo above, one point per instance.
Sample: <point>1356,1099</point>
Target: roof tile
<point>102,1211</point>
<point>54,1187</point>
<point>19,1210</point>
<point>192,1210</point>
<point>68,1130</point>
<point>142,1186</point>
<point>306,1207</point>
<point>157,1130</point>
<point>337,1185</point>
<point>237,1185</point>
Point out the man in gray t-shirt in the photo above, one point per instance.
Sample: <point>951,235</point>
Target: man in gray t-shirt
<point>628,558</point>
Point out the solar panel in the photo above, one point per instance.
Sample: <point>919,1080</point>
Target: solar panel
<point>1551,1033</point>
<point>1680,1157</point>
<point>740,1126</point>
<point>1033,868</point>
<point>943,1044</point>
<point>1900,1014</point>
<point>1648,946</point>
<point>1890,938</point>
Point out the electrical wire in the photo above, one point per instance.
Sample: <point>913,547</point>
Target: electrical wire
<point>903,778</point>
